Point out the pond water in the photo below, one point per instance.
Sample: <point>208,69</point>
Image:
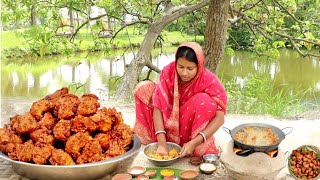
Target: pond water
<point>37,78</point>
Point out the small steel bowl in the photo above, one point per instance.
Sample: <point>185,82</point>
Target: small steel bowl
<point>211,158</point>
<point>152,148</point>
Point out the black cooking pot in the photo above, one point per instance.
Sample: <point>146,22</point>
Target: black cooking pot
<point>279,132</point>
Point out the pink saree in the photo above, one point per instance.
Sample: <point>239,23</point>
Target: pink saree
<point>186,108</point>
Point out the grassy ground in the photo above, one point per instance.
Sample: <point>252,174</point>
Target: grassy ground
<point>14,39</point>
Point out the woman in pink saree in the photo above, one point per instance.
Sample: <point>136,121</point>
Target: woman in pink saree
<point>186,106</point>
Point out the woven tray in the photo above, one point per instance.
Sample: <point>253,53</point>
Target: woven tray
<point>312,148</point>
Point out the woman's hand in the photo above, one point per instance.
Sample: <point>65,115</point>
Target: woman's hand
<point>163,149</point>
<point>161,137</point>
<point>187,149</point>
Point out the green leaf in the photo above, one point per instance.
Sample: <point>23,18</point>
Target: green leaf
<point>229,51</point>
<point>279,22</point>
<point>278,44</point>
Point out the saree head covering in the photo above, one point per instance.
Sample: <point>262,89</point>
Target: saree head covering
<point>186,108</point>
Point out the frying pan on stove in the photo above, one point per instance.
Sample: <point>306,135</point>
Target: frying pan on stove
<point>279,132</point>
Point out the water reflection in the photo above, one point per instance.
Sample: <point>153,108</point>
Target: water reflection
<point>46,76</point>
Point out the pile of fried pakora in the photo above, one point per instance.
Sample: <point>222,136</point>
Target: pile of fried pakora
<point>64,129</point>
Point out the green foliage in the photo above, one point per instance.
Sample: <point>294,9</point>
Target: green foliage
<point>13,12</point>
<point>299,19</point>
<point>240,37</point>
<point>308,36</point>
<point>256,96</point>
<point>43,41</point>
<point>293,19</point>
<point>77,88</point>
<point>17,52</point>
<point>191,24</point>
<point>229,50</point>
<point>278,44</point>
<point>113,83</point>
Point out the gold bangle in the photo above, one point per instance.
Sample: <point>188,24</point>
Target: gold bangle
<point>204,136</point>
<point>158,132</point>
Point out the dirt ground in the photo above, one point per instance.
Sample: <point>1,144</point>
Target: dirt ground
<point>305,128</point>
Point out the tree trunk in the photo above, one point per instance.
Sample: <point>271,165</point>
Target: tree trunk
<point>131,76</point>
<point>143,57</point>
<point>109,23</point>
<point>33,21</point>
<point>71,18</point>
<point>216,33</point>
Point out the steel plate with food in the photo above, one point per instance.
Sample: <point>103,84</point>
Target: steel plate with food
<point>258,137</point>
<point>64,136</point>
<point>162,160</point>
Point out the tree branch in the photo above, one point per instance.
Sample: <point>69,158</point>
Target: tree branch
<point>231,11</point>
<point>252,24</point>
<point>283,8</point>
<point>252,6</point>
<point>260,30</point>
<point>157,6</point>
<point>178,11</point>
<point>134,14</point>
<point>84,23</point>
<point>153,67</point>
<point>252,30</point>
<point>235,41</point>
<point>266,7</point>
<point>57,5</point>
<point>296,39</point>
<point>300,52</point>
<point>148,75</point>
<point>127,25</point>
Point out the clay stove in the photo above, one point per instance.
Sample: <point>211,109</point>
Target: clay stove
<point>251,165</point>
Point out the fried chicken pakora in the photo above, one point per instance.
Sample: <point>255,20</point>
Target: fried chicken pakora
<point>66,106</point>
<point>76,142</point>
<point>115,148</point>
<point>8,139</point>
<point>41,154</point>
<point>88,104</point>
<point>40,107</point>
<point>54,96</point>
<point>23,123</point>
<point>115,116</point>
<point>63,129</point>
<point>102,120</point>
<point>22,152</point>
<point>81,123</point>
<point>92,152</point>
<point>42,136</point>
<point>124,133</point>
<point>104,140</point>
<point>59,157</point>
<point>47,122</point>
